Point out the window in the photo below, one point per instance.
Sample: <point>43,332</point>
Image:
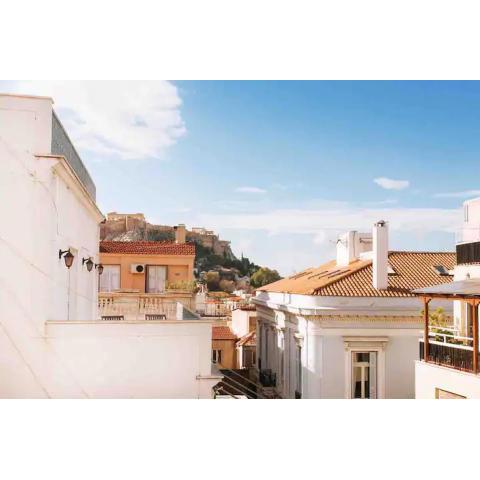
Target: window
<point>156,278</point>
<point>248,357</point>
<point>282,360</point>
<point>216,356</point>
<point>442,270</point>
<point>265,352</point>
<point>465,213</point>
<point>364,374</point>
<point>298,379</point>
<point>110,278</point>
<point>444,394</point>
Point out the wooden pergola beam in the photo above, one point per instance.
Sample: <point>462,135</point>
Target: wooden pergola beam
<point>473,303</point>
<point>433,296</point>
<point>474,308</point>
<point>426,352</point>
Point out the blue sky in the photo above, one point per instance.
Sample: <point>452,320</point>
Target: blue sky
<point>280,168</point>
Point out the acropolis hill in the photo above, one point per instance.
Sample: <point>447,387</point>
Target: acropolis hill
<point>134,226</point>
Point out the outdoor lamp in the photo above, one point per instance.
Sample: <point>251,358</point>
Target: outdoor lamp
<point>100,268</point>
<point>67,256</point>
<point>89,263</point>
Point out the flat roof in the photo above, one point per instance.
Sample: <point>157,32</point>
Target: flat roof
<point>460,288</point>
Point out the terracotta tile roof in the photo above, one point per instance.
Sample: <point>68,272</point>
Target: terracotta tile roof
<point>412,270</point>
<point>148,248</point>
<point>222,333</point>
<point>248,340</point>
<point>246,308</point>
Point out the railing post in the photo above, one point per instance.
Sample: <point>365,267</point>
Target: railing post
<point>426,349</point>
<point>474,306</point>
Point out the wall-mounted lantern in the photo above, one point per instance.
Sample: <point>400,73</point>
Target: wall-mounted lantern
<point>89,263</point>
<point>67,256</point>
<point>100,268</point>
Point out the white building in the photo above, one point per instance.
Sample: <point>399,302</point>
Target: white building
<point>244,326</point>
<point>51,343</point>
<point>349,328</point>
<point>449,365</point>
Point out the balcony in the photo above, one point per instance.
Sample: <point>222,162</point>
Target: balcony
<point>448,349</point>
<point>134,306</point>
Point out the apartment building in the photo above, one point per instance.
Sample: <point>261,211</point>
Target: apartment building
<point>348,328</point>
<point>449,350</point>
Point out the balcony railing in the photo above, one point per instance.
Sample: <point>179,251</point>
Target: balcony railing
<point>449,349</point>
<point>139,306</point>
<point>454,356</point>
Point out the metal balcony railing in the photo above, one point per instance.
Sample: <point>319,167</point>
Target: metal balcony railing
<point>459,357</point>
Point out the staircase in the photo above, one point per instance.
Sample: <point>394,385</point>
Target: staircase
<point>240,383</point>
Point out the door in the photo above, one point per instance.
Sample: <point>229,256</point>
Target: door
<point>110,278</point>
<point>156,278</point>
<point>364,374</point>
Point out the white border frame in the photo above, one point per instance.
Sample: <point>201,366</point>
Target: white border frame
<point>365,344</point>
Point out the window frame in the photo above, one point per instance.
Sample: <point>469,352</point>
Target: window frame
<point>147,266</point>
<point>106,267</point>
<point>363,345</point>
<point>217,356</point>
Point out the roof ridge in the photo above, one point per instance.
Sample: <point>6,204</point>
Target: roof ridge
<point>143,241</point>
<point>421,251</point>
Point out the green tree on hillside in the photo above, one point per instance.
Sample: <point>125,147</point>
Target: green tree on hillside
<point>264,276</point>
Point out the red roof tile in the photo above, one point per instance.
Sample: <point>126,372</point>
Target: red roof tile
<point>148,248</point>
<point>250,340</point>
<point>222,333</point>
<point>412,270</point>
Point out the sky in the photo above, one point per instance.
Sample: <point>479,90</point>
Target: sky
<point>280,168</point>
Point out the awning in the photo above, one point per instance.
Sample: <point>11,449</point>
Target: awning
<point>463,289</point>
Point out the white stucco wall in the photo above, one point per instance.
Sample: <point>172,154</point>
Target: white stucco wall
<point>136,360</point>
<point>332,376</point>
<point>429,377</point>
<point>401,353</point>
<point>241,321</point>
<point>41,211</point>
<point>49,346</point>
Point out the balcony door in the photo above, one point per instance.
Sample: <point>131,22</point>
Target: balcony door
<point>364,374</point>
<point>156,278</point>
<point>110,278</point>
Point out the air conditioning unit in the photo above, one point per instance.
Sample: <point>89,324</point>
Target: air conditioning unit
<point>137,268</point>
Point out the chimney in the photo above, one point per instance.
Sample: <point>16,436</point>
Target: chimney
<point>180,233</point>
<point>380,255</point>
<point>346,248</point>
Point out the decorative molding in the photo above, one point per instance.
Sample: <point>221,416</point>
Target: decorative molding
<point>299,339</point>
<point>365,342</point>
<point>63,169</point>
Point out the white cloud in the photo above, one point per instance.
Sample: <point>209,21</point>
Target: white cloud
<point>318,221</point>
<point>464,194</point>
<point>250,190</point>
<point>391,184</point>
<point>119,119</point>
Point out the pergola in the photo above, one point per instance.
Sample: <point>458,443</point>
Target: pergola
<point>467,291</point>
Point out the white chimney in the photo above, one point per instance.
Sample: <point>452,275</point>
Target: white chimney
<point>380,255</point>
<point>180,233</point>
<point>346,248</point>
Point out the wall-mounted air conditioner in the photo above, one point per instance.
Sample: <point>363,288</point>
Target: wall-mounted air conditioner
<point>137,268</point>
